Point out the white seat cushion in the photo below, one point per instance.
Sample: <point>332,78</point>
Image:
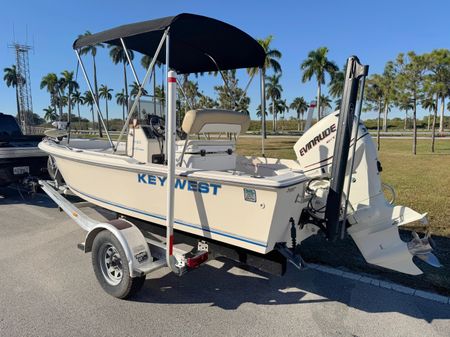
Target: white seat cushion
<point>215,121</point>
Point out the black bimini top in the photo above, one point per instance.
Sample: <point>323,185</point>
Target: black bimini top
<point>192,39</point>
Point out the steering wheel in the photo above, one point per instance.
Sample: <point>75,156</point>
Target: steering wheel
<point>157,124</point>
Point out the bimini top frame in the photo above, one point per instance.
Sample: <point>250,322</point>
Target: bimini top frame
<point>197,44</point>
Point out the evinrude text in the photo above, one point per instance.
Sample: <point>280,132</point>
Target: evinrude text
<point>317,139</point>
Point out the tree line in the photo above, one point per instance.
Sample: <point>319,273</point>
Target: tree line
<point>406,82</point>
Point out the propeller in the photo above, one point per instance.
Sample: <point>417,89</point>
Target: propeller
<point>423,247</point>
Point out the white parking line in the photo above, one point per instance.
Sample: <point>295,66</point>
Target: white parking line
<point>382,284</point>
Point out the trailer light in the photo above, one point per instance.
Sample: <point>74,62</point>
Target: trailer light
<point>195,261</point>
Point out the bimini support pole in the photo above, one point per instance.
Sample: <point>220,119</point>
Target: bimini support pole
<point>263,109</point>
<point>244,93</point>
<point>130,62</point>
<point>146,78</point>
<point>171,129</point>
<point>95,98</point>
<point>167,74</point>
<point>170,150</point>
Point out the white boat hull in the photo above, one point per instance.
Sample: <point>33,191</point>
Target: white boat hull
<point>205,207</point>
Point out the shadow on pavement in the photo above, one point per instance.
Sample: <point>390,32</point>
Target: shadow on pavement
<point>225,288</point>
<point>13,195</point>
<point>344,253</point>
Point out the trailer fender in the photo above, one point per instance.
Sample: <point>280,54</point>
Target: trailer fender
<point>132,240</point>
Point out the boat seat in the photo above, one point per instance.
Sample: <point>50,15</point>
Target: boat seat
<point>210,154</point>
<point>215,121</point>
<point>206,154</point>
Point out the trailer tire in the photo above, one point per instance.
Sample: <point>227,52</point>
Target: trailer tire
<point>111,268</point>
<point>54,172</point>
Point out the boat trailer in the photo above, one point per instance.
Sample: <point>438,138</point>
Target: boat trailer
<point>124,250</point>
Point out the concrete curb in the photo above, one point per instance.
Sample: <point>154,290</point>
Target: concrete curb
<point>380,283</point>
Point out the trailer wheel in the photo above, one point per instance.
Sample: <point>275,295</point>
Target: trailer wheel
<point>53,171</point>
<point>111,267</point>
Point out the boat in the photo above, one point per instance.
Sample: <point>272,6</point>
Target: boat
<point>20,157</point>
<point>191,179</point>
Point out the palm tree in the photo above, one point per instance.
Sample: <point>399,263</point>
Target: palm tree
<point>122,101</point>
<point>89,100</point>
<point>49,114</point>
<point>160,94</point>
<point>272,55</point>
<point>50,82</point>
<point>336,86</point>
<point>439,66</point>
<point>431,104</point>
<point>318,65</point>
<point>300,106</point>
<point>145,62</point>
<point>133,93</point>
<point>389,87</point>
<point>78,99</point>
<point>374,100</point>
<point>62,101</point>
<point>410,79</point>
<point>404,104</point>
<point>280,107</point>
<point>92,49</point>
<point>325,102</point>
<point>258,111</point>
<point>67,82</point>
<point>274,89</point>
<point>118,55</point>
<point>11,79</point>
<point>105,93</point>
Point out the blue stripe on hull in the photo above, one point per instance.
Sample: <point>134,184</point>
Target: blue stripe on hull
<point>160,217</point>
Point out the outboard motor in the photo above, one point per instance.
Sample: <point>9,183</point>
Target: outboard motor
<point>346,192</point>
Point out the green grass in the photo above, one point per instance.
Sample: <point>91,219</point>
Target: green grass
<point>422,182</point>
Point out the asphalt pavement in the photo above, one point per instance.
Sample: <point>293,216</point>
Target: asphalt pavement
<point>48,289</point>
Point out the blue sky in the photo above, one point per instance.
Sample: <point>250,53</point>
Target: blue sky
<point>376,31</point>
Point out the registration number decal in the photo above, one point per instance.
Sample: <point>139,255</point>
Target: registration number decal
<point>249,194</point>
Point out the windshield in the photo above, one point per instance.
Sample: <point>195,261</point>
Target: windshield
<point>9,126</point>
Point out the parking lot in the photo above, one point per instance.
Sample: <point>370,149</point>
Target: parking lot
<point>48,289</point>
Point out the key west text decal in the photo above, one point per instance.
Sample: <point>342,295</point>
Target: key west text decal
<point>181,184</point>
